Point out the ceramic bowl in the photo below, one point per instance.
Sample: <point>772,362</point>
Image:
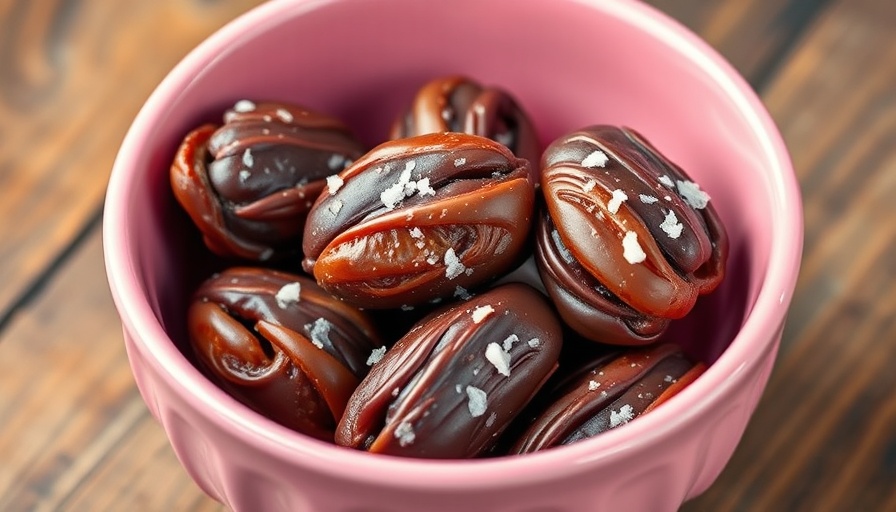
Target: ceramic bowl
<point>571,63</point>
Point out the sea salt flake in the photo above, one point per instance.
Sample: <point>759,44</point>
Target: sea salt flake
<point>243,106</point>
<point>534,342</point>
<point>244,175</point>
<point>248,161</point>
<point>667,181</point>
<point>646,199</point>
<point>671,225</point>
<point>392,196</point>
<point>405,307</point>
<point>499,358</point>
<point>453,265</point>
<point>477,401</point>
<point>625,414</point>
<point>616,201</point>
<point>459,162</point>
<point>404,187</point>
<point>376,355</point>
<point>319,331</point>
<point>334,183</point>
<point>404,432</point>
<point>691,193</point>
<point>288,294</point>
<point>284,115</point>
<point>481,312</point>
<point>589,185</point>
<point>631,249</point>
<point>669,378</point>
<point>424,189</point>
<point>596,159</point>
<point>509,341</point>
<point>335,206</point>
<point>337,162</point>
<point>593,384</point>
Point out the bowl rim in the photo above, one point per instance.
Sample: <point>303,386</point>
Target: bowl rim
<point>739,359</point>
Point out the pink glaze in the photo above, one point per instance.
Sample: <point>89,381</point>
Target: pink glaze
<point>570,63</point>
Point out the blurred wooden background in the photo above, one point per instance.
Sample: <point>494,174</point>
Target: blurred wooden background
<point>74,434</point>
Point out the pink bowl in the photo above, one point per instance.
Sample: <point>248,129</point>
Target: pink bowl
<point>571,63</point>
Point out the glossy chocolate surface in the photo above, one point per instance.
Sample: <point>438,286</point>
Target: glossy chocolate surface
<point>630,241</point>
<point>454,382</point>
<point>248,184</point>
<point>458,104</point>
<point>280,344</point>
<point>416,218</point>
<point>611,391</point>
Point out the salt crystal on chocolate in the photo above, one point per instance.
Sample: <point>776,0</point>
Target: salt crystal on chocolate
<point>671,225</point>
<point>691,193</point>
<point>453,266</point>
<point>616,201</point>
<point>499,358</point>
<point>625,414</point>
<point>596,159</point>
<point>631,249</point>
<point>288,294</point>
<point>334,183</point>
<point>376,355</point>
<point>477,401</point>
<point>481,312</point>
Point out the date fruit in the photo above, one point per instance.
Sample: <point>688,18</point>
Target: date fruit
<point>416,218</point>
<point>458,104</point>
<point>627,241</point>
<point>281,345</point>
<point>248,185</point>
<point>451,385</point>
<point>611,391</point>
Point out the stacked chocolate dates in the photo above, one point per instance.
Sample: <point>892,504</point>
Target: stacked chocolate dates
<point>421,298</point>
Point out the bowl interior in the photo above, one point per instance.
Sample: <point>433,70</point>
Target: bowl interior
<point>569,63</point>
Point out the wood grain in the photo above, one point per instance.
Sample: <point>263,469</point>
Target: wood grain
<point>753,35</point>
<point>823,435</point>
<point>73,74</point>
<point>76,435</point>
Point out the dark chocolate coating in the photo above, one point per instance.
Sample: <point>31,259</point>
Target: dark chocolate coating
<point>248,185</point>
<point>629,241</point>
<point>416,218</point>
<point>451,385</point>
<point>611,391</point>
<point>458,104</point>
<point>281,345</point>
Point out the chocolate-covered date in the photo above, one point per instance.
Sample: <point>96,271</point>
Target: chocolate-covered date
<point>458,104</point>
<point>611,391</point>
<point>627,241</point>
<point>281,345</point>
<point>451,385</point>
<point>248,185</point>
<point>416,218</point>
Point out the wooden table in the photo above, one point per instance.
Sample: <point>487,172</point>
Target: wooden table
<point>74,434</point>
